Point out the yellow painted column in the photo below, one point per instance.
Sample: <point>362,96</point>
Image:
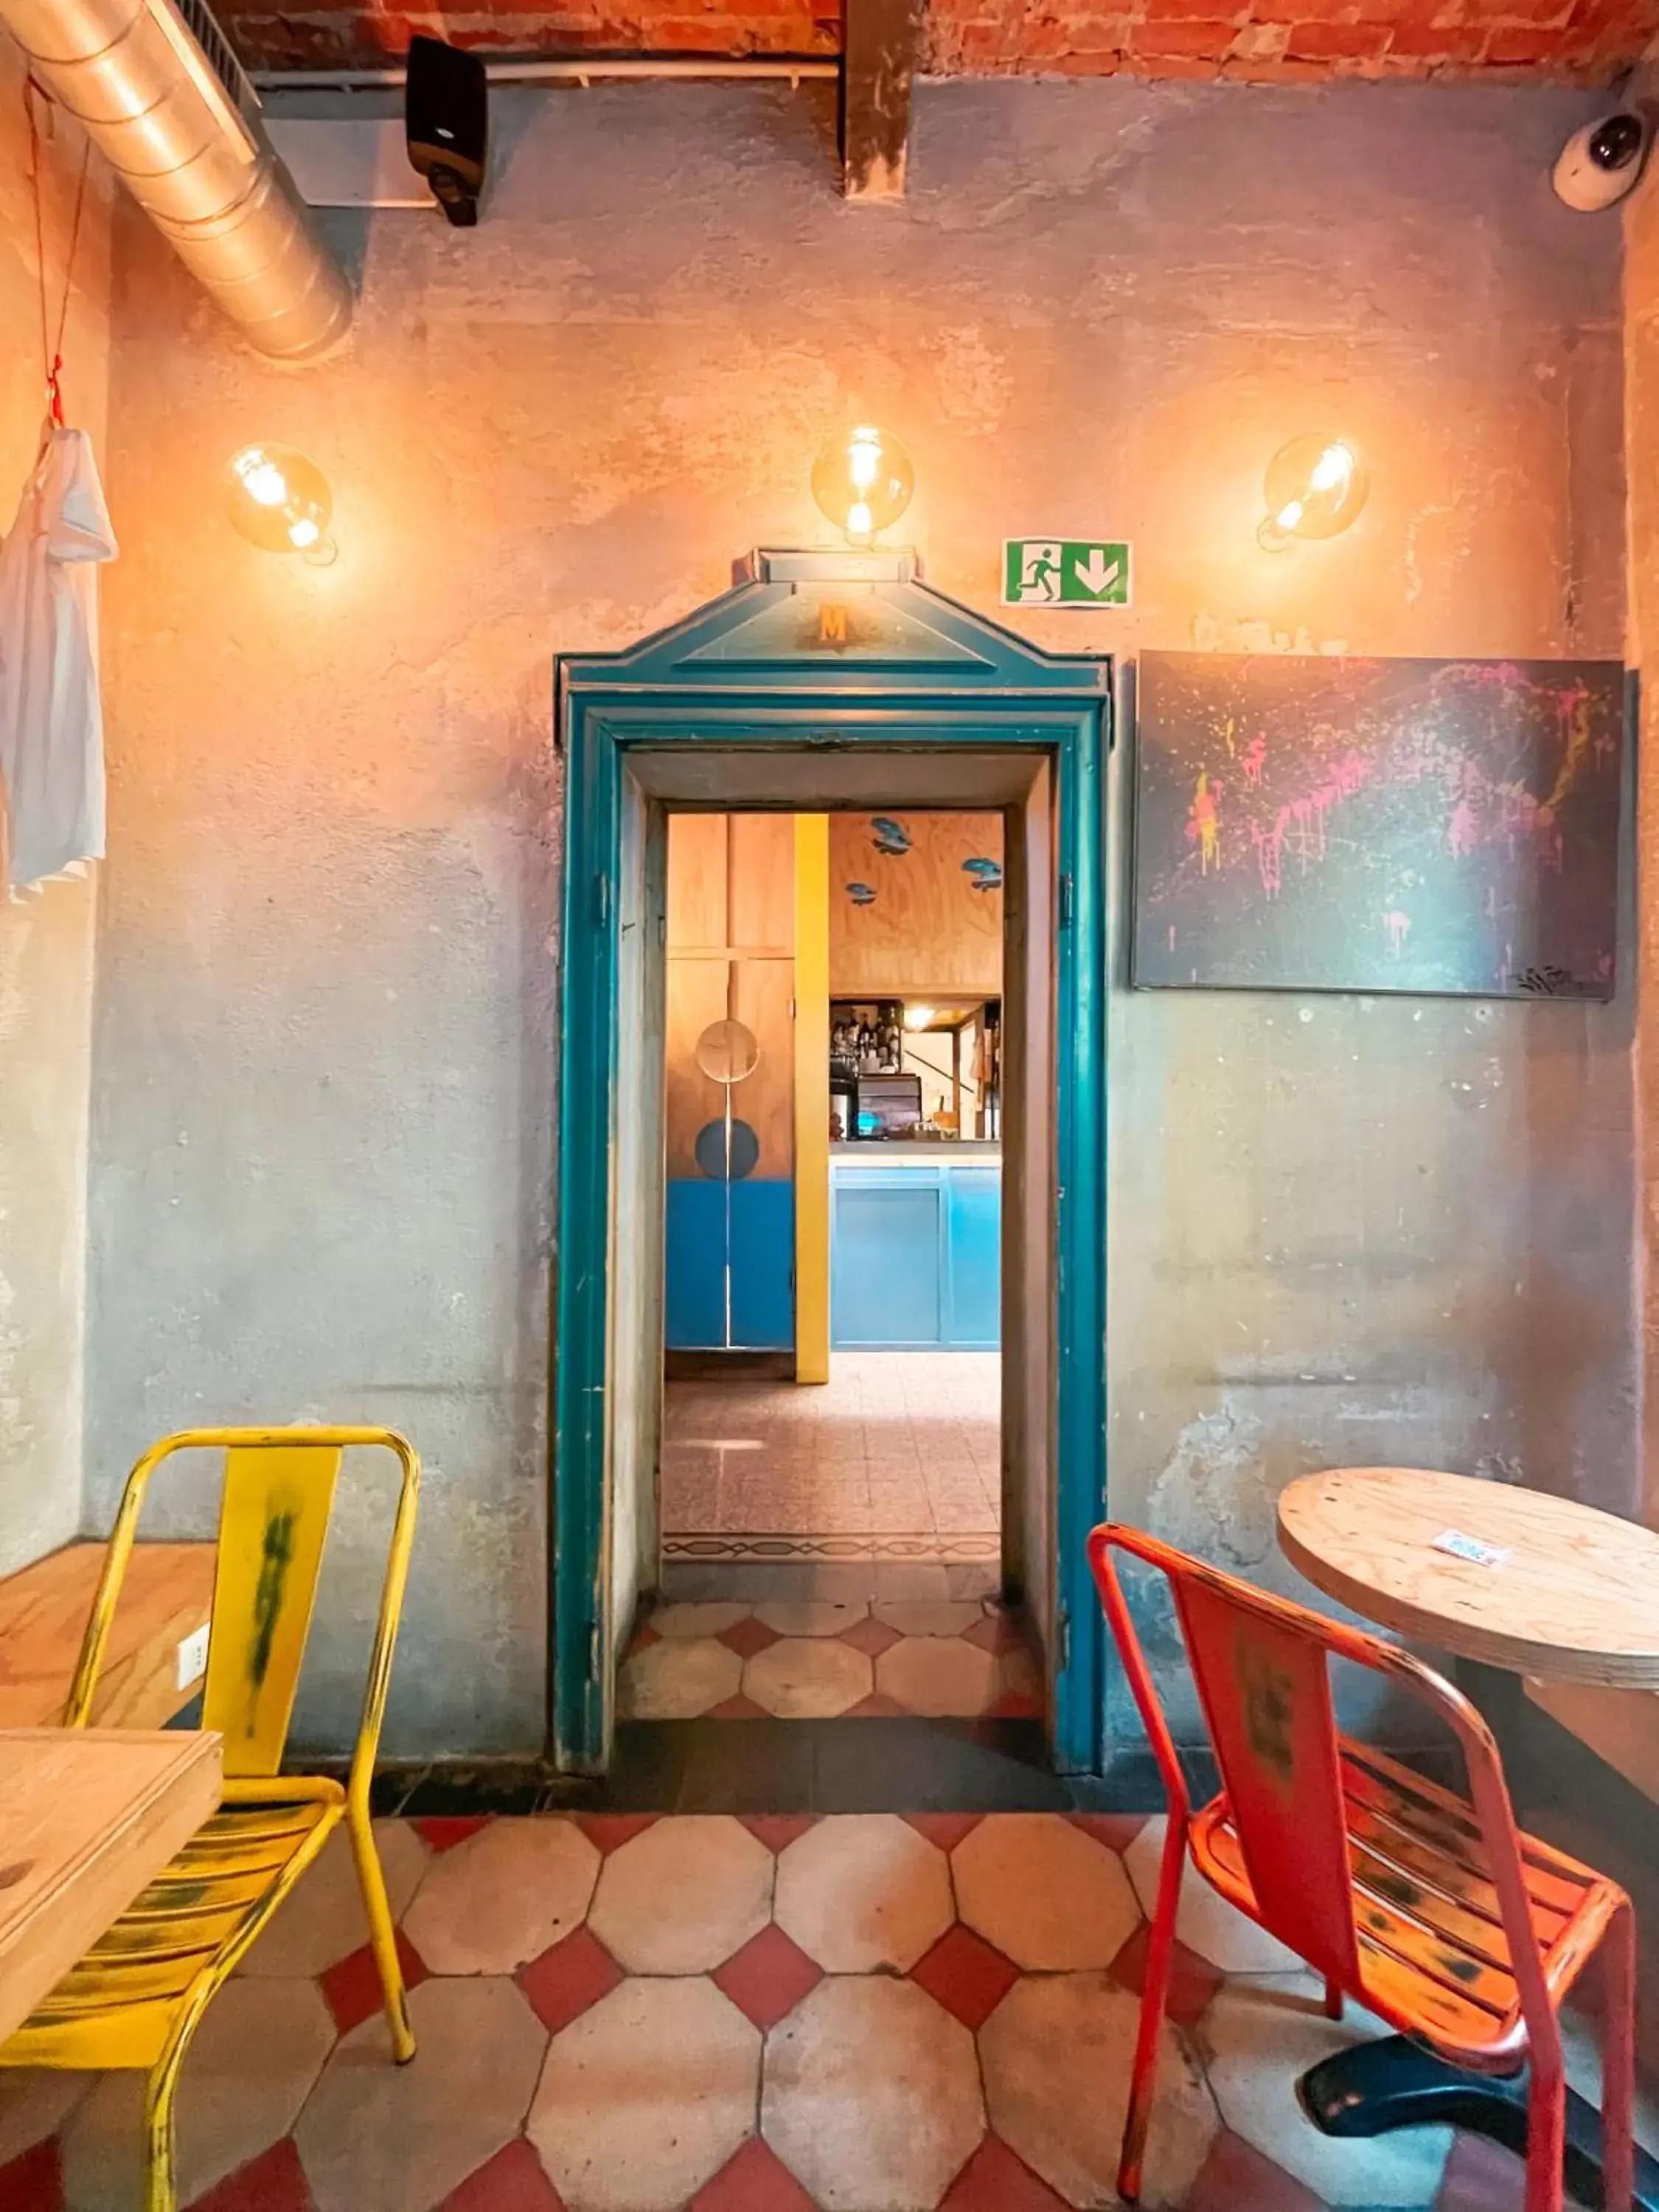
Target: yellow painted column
<point>812,1098</point>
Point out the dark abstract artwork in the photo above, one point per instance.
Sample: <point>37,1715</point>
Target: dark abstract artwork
<point>1305,824</point>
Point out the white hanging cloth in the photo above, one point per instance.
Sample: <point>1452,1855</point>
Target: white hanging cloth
<point>51,724</point>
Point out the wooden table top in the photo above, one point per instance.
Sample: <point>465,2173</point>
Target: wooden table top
<point>1573,1594</point>
<point>87,1817</point>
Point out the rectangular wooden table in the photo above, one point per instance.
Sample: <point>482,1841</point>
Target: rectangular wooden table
<point>88,1816</point>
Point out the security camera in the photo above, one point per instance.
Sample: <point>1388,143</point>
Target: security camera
<point>1601,162</point>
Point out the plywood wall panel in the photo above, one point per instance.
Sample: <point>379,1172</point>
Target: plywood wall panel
<point>927,929</point>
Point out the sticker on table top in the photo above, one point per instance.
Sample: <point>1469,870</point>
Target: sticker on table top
<point>1468,1547</point>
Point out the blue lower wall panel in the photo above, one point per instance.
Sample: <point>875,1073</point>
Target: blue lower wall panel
<point>762,1256</point>
<point>694,1265</point>
<point>763,1265</point>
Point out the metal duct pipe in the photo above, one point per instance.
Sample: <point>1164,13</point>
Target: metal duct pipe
<point>164,99</point>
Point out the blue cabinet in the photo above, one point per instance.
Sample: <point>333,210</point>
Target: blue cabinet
<point>915,1256</point>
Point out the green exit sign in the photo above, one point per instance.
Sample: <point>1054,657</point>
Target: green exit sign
<point>1065,572</point>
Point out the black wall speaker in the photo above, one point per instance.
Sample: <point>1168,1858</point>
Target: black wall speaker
<point>446,122</point>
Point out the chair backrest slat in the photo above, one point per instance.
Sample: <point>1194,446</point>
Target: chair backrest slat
<point>273,1521</point>
<point>1265,1686</point>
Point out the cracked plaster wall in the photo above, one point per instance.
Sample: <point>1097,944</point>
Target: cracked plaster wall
<point>1343,1230</point>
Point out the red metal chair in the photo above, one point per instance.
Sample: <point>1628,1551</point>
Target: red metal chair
<point>1431,1910</point>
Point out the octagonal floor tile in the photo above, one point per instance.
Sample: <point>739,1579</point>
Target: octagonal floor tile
<point>807,1678</point>
<point>503,1896</point>
<point>683,1896</point>
<point>401,2137</point>
<point>1206,1924</point>
<point>1044,1891</point>
<point>323,1920</point>
<point>937,1675</point>
<point>646,2098</point>
<point>677,1678</point>
<point>1057,2053</point>
<point>1259,2037</point>
<point>862,1892</point>
<point>871,2095</point>
<point>35,2104</point>
<point>260,2047</point>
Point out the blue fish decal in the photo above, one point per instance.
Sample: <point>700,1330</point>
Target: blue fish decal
<point>891,837</point>
<point>861,894</point>
<point>986,874</point>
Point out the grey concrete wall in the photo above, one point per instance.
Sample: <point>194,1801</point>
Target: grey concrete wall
<point>1342,1230</point>
<point>47,940</point>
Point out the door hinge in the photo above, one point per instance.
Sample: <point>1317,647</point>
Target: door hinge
<point>602,901</point>
<point>1062,1640</point>
<point>1066,901</point>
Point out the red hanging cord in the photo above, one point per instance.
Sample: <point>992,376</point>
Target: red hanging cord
<point>52,351</point>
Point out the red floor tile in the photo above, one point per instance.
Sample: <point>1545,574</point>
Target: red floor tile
<point>756,2180</point>
<point>768,1977</point>
<point>273,2182</point>
<point>573,1974</point>
<point>641,1640</point>
<point>747,1637</point>
<point>351,1987</point>
<point>609,1832</point>
<point>996,1632</point>
<point>777,1831</point>
<point>873,1638</point>
<point>994,2181</point>
<point>737,1708</point>
<point>1193,1981</point>
<point>1237,2179</point>
<point>1480,2177</point>
<point>34,2182</point>
<point>1117,1831</point>
<point>876,1707</point>
<point>947,1830</point>
<point>512,2181</point>
<point>442,1832</point>
<point>965,1974</point>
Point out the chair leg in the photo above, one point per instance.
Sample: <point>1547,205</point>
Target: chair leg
<point>1618,2061</point>
<point>382,1934</point>
<point>161,2092</point>
<point>1546,2127</point>
<point>1154,1997</point>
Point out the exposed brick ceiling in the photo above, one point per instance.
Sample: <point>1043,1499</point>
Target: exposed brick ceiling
<point>1262,40</point>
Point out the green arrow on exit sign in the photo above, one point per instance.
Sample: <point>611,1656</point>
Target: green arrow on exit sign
<point>1065,572</point>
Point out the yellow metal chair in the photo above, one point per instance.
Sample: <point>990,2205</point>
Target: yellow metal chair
<point>137,1996</point>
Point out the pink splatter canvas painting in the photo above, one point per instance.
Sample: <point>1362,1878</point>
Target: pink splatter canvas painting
<point>1436,826</point>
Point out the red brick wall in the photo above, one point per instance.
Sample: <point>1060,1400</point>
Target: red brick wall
<point>1271,41</point>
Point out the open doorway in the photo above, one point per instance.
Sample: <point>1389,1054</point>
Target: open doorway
<point>831,1461</point>
<point>823,690</point>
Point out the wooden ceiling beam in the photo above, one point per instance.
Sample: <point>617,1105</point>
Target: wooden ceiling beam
<point>882,40</point>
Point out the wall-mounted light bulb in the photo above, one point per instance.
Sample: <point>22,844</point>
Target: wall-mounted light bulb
<point>919,1018</point>
<point>863,481</point>
<point>281,503</point>
<point>1315,487</point>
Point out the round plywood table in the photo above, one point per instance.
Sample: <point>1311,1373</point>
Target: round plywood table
<point>1505,1578</point>
<point>1511,1579</point>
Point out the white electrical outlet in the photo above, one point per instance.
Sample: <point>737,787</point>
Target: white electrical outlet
<point>192,1657</point>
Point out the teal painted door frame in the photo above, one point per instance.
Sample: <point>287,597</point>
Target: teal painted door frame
<point>816,654</point>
